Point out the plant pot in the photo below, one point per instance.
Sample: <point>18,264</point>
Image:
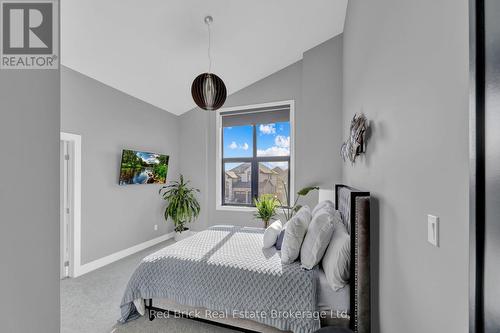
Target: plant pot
<point>182,234</point>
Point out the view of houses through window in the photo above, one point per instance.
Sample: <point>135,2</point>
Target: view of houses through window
<point>256,161</point>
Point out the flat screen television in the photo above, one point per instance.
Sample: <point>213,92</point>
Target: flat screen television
<point>139,167</point>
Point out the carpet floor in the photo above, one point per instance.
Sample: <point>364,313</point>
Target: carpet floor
<point>91,303</point>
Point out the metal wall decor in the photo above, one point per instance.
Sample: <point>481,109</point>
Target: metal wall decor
<point>208,90</point>
<point>355,143</point>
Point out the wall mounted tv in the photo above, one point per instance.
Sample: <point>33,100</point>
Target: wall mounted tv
<point>139,167</point>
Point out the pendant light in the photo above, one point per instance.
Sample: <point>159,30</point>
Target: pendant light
<point>208,90</point>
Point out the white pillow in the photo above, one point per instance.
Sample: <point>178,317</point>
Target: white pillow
<point>271,234</point>
<point>318,237</point>
<point>295,231</point>
<point>337,259</point>
<point>322,204</point>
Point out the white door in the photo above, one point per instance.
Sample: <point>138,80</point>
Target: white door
<point>66,206</point>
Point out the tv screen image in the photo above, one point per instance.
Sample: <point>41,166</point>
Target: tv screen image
<point>139,167</point>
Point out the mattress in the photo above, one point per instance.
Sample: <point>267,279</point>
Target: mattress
<point>225,269</point>
<point>331,300</point>
<point>335,304</point>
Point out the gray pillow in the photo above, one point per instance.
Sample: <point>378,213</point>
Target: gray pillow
<point>279,241</point>
<point>318,236</point>
<point>295,232</point>
<point>337,259</point>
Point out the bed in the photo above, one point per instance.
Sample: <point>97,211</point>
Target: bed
<point>223,276</point>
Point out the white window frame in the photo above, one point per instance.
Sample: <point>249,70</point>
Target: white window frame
<point>219,151</point>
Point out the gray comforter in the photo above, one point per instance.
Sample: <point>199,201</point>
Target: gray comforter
<point>225,268</point>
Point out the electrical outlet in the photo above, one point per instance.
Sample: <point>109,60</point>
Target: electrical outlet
<point>156,227</point>
<point>433,230</point>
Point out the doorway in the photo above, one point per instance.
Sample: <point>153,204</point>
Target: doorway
<point>70,204</point>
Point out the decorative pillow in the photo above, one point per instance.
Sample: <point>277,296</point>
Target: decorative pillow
<point>318,236</point>
<point>279,241</point>
<point>295,232</point>
<point>337,259</point>
<point>271,234</point>
<point>322,204</point>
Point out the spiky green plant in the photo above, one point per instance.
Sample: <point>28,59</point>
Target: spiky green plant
<point>266,206</point>
<point>182,205</point>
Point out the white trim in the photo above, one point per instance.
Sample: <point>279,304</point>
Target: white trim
<point>292,152</point>
<point>93,265</point>
<point>76,220</point>
<point>218,162</point>
<point>218,152</point>
<point>290,102</point>
<point>235,208</point>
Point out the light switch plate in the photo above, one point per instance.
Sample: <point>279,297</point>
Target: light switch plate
<point>433,230</point>
<point>156,227</point>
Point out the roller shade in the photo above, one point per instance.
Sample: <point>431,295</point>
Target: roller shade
<point>266,115</point>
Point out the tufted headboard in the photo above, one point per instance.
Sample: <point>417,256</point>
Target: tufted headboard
<point>354,207</point>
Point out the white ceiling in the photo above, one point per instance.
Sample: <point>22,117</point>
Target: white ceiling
<point>154,49</point>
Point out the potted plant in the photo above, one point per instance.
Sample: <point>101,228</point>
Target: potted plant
<point>289,211</point>
<point>182,205</point>
<point>266,206</point>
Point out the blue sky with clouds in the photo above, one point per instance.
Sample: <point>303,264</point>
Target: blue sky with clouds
<point>148,157</point>
<point>272,140</point>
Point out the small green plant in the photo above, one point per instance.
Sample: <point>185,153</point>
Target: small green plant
<point>182,205</point>
<point>266,206</point>
<point>289,211</point>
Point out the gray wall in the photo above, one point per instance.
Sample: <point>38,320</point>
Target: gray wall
<point>319,121</point>
<point>406,67</point>
<point>29,200</point>
<point>315,83</point>
<point>116,217</point>
<point>193,159</point>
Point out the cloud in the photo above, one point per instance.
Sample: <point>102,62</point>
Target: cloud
<point>282,141</point>
<point>234,145</point>
<point>267,129</point>
<point>274,151</point>
<point>281,147</point>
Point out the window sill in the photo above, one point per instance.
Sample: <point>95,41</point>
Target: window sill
<point>236,208</point>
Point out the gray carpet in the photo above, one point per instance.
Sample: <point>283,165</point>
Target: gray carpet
<point>90,303</point>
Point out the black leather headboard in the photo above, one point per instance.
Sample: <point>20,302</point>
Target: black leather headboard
<point>354,206</point>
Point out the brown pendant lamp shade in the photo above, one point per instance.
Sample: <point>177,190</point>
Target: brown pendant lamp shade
<point>208,91</point>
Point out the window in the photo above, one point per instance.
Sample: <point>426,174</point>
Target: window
<point>255,151</point>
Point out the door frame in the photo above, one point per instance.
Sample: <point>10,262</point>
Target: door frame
<point>76,194</point>
<point>477,164</point>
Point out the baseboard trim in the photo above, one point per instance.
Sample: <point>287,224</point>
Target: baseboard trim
<point>96,264</point>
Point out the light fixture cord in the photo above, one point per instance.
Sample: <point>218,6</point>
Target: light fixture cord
<point>209,48</point>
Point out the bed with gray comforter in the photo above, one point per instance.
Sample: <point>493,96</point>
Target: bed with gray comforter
<point>225,268</point>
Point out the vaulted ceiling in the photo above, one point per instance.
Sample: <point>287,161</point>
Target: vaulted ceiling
<point>154,49</point>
